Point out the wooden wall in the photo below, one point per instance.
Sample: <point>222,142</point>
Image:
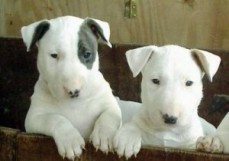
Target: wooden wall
<point>190,23</point>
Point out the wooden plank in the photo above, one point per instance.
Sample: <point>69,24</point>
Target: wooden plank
<point>36,148</point>
<point>7,143</point>
<point>42,148</point>
<point>191,23</point>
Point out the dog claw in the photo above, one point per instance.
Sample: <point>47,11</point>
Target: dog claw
<point>96,148</point>
<point>63,157</point>
<point>83,147</point>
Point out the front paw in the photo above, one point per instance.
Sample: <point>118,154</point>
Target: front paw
<point>209,144</point>
<point>102,138</point>
<point>69,143</point>
<point>127,143</point>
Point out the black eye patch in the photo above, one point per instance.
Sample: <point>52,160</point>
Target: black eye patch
<point>86,55</point>
<point>87,46</point>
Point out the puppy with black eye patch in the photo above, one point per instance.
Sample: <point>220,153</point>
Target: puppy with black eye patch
<point>72,102</point>
<point>171,91</point>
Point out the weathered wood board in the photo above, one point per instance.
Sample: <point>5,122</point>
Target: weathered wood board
<point>19,146</point>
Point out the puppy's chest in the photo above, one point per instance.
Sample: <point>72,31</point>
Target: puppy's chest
<point>82,115</point>
<point>167,139</point>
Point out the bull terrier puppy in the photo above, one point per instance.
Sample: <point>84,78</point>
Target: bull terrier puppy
<point>171,91</point>
<point>72,102</point>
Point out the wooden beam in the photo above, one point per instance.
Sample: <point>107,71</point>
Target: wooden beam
<point>190,23</point>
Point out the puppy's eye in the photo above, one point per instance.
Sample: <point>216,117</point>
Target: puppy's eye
<point>54,55</point>
<point>87,55</point>
<point>189,83</point>
<point>156,81</point>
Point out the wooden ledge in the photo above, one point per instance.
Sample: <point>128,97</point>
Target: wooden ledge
<point>20,146</point>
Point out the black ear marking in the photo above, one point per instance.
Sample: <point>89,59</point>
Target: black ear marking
<point>39,32</point>
<point>95,29</point>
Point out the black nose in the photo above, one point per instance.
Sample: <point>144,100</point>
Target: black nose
<point>73,94</point>
<point>169,119</point>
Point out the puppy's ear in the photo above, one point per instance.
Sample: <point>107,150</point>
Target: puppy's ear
<point>207,61</point>
<point>100,29</point>
<point>137,58</point>
<point>34,32</point>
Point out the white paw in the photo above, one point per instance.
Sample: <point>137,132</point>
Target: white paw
<point>102,138</point>
<point>69,143</point>
<point>127,142</point>
<point>209,144</point>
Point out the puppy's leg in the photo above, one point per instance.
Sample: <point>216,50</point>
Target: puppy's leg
<point>127,141</point>
<point>68,140</point>
<point>218,142</point>
<point>208,128</point>
<point>105,128</point>
<point>223,132</point>
<point>209,144</point>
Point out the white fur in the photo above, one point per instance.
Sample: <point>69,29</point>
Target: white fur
<point>173,66</point>
<point>94,115</point>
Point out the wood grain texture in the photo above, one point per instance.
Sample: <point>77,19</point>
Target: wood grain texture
<point>190,23</point>
<point>7,143</point>
<point>31,147</point>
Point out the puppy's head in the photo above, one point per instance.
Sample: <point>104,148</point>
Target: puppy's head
<point>67,52</point>
<point>171,81</point>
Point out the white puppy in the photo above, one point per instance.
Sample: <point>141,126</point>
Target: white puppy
<point>218,143</point>
<point>71,102</point>
<point>171,92</point>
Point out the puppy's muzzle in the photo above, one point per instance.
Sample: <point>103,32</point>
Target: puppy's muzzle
<point>169,119</point>
<point>72,87</point>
